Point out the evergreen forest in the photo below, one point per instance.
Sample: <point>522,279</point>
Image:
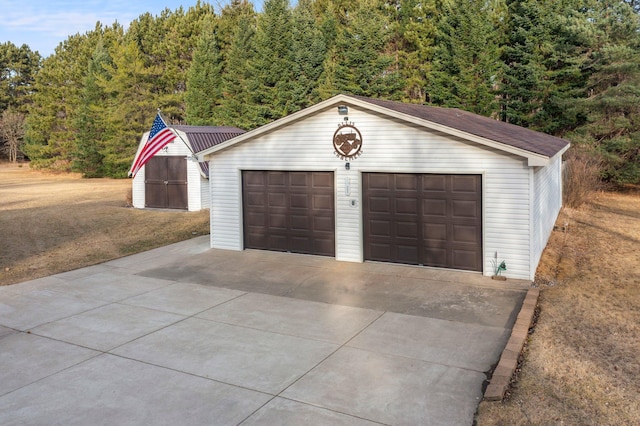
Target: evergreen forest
<point>570,68</point>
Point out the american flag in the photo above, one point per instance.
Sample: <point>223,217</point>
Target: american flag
<point>159,136</point>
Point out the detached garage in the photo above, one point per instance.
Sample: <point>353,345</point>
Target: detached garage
<point>171,179</point>
<point>363,179</point>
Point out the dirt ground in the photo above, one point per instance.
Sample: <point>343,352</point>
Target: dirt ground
<point>581,365</point>
<point>53,223</point>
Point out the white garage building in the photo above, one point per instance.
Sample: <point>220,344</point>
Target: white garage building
<point>367,179</point>
<point>171,179</point>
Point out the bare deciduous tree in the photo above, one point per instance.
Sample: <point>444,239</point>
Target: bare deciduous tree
<point>11,133</point>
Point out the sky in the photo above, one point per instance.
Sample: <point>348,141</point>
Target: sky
<point>43,24</point>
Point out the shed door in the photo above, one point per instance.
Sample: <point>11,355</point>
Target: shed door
<point>423,219</point>
<point>166,183</point>
<point>289,211</point>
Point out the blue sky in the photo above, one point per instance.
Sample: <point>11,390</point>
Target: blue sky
<point>43,24</point>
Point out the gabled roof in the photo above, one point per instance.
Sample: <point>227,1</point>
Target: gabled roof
<point>203,137</point>
<point>536,147</point>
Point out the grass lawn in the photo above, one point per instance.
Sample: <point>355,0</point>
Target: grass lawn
<point>53,223</point>
<point>581,365</point>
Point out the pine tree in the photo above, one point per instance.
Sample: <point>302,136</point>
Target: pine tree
<point>204,79</point>
<point>89,121</point>
<point>543,56</point>
<point>612,109</point>
<point>237,108</point>
<point>128,85</point>
<point>18,67</point>
<point>310,51</point>
<point>272,78</point>
<point>522,79</point>
<point>362,64</point>
<point>466,57</point>
<point>412,40</point>
<point>50,135</point>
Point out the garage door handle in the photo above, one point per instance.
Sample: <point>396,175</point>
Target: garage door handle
<point>166,182</point>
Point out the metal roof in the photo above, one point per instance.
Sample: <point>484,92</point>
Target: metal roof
<point>203,137</point>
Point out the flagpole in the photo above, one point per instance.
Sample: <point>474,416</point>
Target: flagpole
<point>193,154</point>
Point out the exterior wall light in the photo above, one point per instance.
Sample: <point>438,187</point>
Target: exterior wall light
<point>343,110</point>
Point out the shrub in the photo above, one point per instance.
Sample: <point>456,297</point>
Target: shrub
<point>582,175</point>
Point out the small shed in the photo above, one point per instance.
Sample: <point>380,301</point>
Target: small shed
<point>363,179</point>
<point>173,178</point>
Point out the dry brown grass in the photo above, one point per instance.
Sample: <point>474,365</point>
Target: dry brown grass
<point>52,223</point>
<point>581,365</point>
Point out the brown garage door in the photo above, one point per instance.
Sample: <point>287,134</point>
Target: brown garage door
<point>165,179</point>
<point>423,219</point>
<point>289,211</point>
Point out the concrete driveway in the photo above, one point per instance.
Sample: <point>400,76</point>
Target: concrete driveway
<point>188,335</point>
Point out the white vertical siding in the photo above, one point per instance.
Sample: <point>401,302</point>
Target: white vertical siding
<point>137,189</point>
<point>547,201</point>
<point>137,185</point>
<point>197,186</point>
<point>388,146</point>
<point>205,197</point>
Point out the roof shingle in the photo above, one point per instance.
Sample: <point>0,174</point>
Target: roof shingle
<point>485,127</point>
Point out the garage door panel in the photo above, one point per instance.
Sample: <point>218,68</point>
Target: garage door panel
<point>437,256</point>
<point>255,219</point>
<point>257,241</point>
<point>300,211</point>
<point>276,180</point>
<point>465,234</point>
<point>277,200</point>
<point>379,251</point>
<point>465,184</point>
<point>463,258</point>
<point>299,201</point>
<point>324,246</point>
<point>435,231</point>
<point>379,205</point>
<point>323,224</point>
<point>407,230</point>
<point>323,202</point>
<point>406,183</point>
<point>407,254</point>
<point>433,207</point>
<point>254,180</point>
<point>322,180</point>
<point>278,221</point>
<point>406,206</point>
<point>255,199</point>
<point>299,180</point>
<point>277,243</point>
<point>465,208</point>
<point>379,181</point>
<point>436,183</point>
<point>435,220</point>
<point>300,223</point>
<point>379,228</point>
